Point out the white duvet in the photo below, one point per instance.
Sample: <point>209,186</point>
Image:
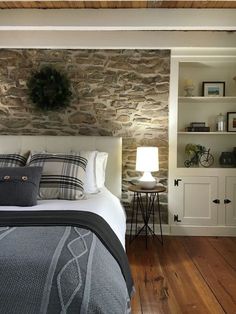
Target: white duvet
<point>103,203</point>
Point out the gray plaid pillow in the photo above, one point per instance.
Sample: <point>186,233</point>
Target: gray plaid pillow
<point>12,160</point>
<point>63,174</point>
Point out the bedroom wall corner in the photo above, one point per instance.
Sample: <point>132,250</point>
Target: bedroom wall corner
<point>115,92</point>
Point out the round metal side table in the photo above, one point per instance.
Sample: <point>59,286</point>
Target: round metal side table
<point>145,201</point>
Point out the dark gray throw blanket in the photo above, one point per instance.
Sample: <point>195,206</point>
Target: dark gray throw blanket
<point>61,262</point>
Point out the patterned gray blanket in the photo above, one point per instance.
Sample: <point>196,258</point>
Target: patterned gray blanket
<point>59,269</point>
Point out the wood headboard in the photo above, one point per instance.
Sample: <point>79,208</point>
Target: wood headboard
<point>59,144</point>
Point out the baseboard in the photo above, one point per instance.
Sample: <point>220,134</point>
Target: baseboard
<point>165,228</point>
<point>221,231</point>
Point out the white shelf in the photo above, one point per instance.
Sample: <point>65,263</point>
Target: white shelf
<point>196,99</point>
<point>206,133</point>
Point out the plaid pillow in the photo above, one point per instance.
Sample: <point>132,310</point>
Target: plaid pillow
<point>12,160</point>
<point>62,176</point>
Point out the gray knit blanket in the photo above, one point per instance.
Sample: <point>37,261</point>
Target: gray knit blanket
<point>59,269</point>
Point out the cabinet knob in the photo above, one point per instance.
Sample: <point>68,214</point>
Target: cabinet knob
<point>226,201</point>
<point>216,201</point>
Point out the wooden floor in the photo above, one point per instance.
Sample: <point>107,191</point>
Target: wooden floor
<point>186,275</point>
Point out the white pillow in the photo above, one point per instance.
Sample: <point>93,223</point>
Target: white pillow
<point>101,163</point>
<point>90,184</point>
<point>95,172</point>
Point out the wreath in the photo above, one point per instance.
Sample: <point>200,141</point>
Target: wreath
<point>49,89</point>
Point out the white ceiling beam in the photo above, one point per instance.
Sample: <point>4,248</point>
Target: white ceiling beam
<point>118,39</point>
<point>119,19</point>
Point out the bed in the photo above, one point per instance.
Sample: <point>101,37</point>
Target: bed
<point>65,256</point>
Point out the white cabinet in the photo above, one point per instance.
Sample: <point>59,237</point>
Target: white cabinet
<point>197,200</point>
<point>230,201</point>
<point>204,202</point>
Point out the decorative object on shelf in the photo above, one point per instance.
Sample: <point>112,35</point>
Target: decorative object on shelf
<point>198,154</point>
<point>147,160</point>
<point>213,89</point>
<point>197,127</point>
<point>188,88</point>
<point>231,121</point>
<point>234,152</point>
<point>227,159</point>
<point>220,123</point>
<point>49,89</point>
<point>197,124</point>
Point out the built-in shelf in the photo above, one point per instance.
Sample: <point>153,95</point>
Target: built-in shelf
<point>196,99</point>
<point>206,133</point>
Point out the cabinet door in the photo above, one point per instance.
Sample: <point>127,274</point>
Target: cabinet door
<point>195,196</point>
<point>230,194</point>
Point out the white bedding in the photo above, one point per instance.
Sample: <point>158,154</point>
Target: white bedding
<point>103,203</point>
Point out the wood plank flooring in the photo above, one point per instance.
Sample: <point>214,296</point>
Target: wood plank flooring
<point>186,275</point>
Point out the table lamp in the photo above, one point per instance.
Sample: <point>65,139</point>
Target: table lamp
<point>147,160</point>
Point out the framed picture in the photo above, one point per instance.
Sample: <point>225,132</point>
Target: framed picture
<point>213,89</point>
<point>231,121</point>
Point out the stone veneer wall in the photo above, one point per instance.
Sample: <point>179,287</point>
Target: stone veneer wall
<point>115,92</point>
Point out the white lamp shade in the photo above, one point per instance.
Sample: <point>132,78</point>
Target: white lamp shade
<point>147,159</point>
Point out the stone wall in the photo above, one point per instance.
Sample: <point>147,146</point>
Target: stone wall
<point>115,92</point>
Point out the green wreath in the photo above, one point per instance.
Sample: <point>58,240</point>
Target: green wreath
<point>49,89</point>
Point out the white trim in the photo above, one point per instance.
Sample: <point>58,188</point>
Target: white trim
<point>119,19</point>
<point>227,231</point>
<point>118,29</point>
<point>220,231</point>
<point>190,53</point>
<point>118,40</point>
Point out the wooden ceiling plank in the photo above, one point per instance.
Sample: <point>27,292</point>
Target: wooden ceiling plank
<point>232,4</point>
<point>184,4</point>
<point>103,4</point>
<point>5,5</point>
<point>73,4</point>
<point>51,4</point>
<point>220,4</point>
<point>189,4</point>
<point>65,5</point>
<point>78,4</point>
<point>130,4</point>
<point>229,4</point>
<point>139,4</point>
<point>200,4</point>
<point>173,4</point>
<point>110,5</point>
<point>14,5</point>
<point>154,4</point>
<point>70,5</point>
<point>92,4</point>
<point>212,3</point>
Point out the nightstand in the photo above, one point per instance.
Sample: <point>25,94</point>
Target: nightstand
<point>145,201</point>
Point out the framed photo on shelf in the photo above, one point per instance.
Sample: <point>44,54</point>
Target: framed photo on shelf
<point>213,89</point>
<point>231,121</point>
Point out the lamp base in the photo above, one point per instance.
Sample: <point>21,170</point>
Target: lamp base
<point>147,181</point>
